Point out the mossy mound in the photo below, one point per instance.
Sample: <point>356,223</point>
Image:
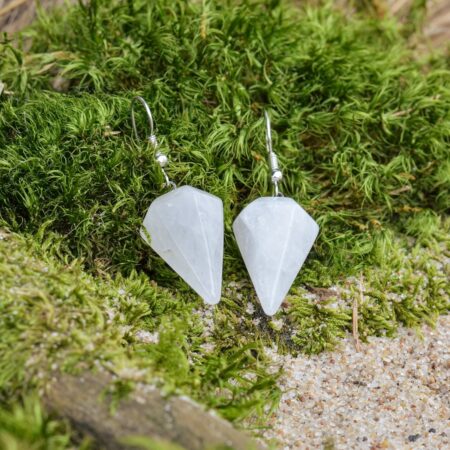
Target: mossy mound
<point>58,318</point>
<point>362,130</point>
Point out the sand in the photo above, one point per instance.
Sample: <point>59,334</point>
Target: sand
<point>393,393</point>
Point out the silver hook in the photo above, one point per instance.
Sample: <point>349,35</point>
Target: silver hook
<point>160,157</point>
<point>277,175</point>
<point>152,137</point>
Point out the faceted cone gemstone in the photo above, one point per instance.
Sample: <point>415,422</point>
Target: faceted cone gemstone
<point>185,228</point>
<point>274,235</point>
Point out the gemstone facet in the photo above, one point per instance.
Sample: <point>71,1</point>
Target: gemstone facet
<point>185,228</point>
<point>274,235</point>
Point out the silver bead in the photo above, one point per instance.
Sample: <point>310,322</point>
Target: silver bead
<point>162,159</point>
<point>277,176</point>
<point>153,140</point>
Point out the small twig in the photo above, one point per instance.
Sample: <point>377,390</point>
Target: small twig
<point>403,113</point>
<point>204,22</point>
<point>355,316</point>
<point>400,190</point>
<point>3,91</point>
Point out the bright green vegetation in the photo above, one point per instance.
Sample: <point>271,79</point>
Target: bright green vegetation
<point>362,130</point>
<point>27,427</point>
<point>56,317</point>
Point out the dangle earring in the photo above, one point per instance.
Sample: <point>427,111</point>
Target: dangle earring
<point>185,227</point>
<point>274,235</point>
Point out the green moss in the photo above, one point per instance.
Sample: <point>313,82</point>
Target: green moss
<point>410,288</point>
<point>55,317</point>
<point>27,427</point>
<point>361,129</point>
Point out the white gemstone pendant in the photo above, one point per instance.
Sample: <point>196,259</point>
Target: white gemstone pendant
<point>274,235</point>
<point>185,227</point>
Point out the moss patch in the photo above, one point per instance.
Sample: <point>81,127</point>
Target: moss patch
<point>56,317</point>
<point>361,128</point>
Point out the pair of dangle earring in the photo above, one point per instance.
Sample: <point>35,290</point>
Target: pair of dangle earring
<point>185,228</point>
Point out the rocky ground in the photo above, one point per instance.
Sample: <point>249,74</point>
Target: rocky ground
<point>397,393</point>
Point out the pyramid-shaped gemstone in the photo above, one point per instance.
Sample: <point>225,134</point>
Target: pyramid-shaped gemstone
<point>274,235</point>
<point>185,227</point>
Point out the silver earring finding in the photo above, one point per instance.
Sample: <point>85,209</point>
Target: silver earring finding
<point>161,158</point>
<point>277,175</point>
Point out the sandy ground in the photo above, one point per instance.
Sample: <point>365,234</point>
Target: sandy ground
<point>392,394</point>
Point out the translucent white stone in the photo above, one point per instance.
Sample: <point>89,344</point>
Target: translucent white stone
<point>185,228</point>
<point>274,235</point>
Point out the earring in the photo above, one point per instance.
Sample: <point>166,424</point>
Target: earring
<point>185,228</point>
<point>274,235</point>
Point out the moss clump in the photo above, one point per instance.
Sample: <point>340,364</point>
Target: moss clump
<point>27,427</point>
<point>55,317</point>
<point>360,126</point>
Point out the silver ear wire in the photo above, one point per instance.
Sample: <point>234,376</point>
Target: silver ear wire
<point>277,175</point>
<point>160,157</point>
